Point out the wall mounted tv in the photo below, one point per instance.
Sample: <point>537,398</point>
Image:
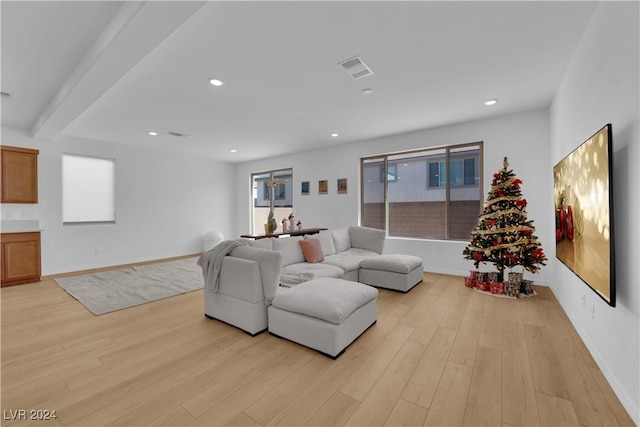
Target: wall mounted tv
<point>583,192</point>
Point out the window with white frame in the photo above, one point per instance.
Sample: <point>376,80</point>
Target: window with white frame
<point>88,189</point>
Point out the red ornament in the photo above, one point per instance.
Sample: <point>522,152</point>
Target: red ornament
<point>569,223</point>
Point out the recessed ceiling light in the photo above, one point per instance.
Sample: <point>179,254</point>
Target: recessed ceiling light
<point>367,91</point>
<point>335,135</point>
<point>152,133</point>
<point>233,150</point>
<point>216,82</point>
<point>490,102</point>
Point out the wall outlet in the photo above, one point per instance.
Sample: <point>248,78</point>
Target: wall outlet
<point>96,252</point>
<point>582,300</point>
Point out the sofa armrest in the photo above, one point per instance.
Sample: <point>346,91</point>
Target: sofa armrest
<point>367,238</point>
<point>240,278</point>
<point>268,265</point>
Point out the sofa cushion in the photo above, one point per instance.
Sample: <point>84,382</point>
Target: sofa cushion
<point>341,239</point>
<point>350,259</point>
<point>289,248</point>
<point>326,241</point>
<point>265,243</point>
<point>367,238</point>
<point>395,263</point>
<point>332,300</point>
<point>312,250</point>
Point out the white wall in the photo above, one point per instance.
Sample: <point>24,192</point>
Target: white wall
<point>165,202</point>
<point>600,87</point>
<point>524,138</point>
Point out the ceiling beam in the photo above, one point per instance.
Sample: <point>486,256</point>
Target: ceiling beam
<point>136,30</point>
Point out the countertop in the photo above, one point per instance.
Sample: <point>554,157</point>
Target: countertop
<point>20,226</point>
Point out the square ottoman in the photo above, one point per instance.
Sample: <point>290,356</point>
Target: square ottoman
<point>325,314</point>
<point>392,271</point>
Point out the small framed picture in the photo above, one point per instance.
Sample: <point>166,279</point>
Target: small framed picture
<point>323,186</point>
<point>304,188</point>
<point>342,185</point>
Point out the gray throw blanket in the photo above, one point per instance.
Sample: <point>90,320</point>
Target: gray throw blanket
<point>211,262</point>
<point>288,280</point>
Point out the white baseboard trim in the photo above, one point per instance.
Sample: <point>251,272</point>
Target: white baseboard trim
<point>632,408</point>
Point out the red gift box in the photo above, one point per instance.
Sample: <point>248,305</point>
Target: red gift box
<point>482,286</point>
<point>497,287</point>
<point>470,282</point>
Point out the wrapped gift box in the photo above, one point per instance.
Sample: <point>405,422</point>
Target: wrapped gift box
<point>526,287</point>
<point>482,276</point>
<point>482,286</point>
<point>497,287</point>
<point>515,278</point>
<point>470,282</point>
<point>512,289</point>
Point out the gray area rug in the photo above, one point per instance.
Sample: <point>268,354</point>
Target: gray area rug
<point>117,289</point>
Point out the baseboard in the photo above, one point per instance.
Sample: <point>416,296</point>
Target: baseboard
<point>629,405</point>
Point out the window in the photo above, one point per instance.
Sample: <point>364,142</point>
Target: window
<point>461,172</point>
<point>436,192</point>
<point>88,189</point>
<point>282,195</point>
<point>279,191</point>
<point>392,173</point>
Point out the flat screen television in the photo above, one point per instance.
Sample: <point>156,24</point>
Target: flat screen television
<point>583,193</point>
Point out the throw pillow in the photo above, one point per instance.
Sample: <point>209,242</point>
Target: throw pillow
<point>341,239</point>
<point>312,250</point>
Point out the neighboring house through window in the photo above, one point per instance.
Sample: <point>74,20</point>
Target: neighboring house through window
<point>436,192</point>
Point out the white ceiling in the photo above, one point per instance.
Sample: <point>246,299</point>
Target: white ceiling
<point>111,71</point>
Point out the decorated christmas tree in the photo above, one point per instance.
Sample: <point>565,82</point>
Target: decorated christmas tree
<point>504,236</point>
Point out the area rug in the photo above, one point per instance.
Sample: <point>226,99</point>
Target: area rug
<point>114,290</point>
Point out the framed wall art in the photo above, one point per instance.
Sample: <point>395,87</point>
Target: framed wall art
<point>304,188</point>
<point>323,186</point>
<point>342,185</point>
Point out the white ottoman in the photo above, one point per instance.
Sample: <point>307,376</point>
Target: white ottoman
<point>325,314</point>
<point>391,271</point>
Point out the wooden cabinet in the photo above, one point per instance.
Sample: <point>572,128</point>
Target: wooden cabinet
<point>19,174</point>
<point>20,258</point>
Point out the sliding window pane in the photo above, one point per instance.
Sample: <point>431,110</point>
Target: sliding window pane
<point>417,209</point>
<point>373,183</point>
<point>464,196</point>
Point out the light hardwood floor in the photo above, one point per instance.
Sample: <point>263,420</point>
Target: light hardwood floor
<point>440,355</point>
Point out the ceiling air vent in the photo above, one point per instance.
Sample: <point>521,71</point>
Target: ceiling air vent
<point>178,134</point>
<point>356,68</point>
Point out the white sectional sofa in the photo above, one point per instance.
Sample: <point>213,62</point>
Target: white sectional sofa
<point>251,275</point>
